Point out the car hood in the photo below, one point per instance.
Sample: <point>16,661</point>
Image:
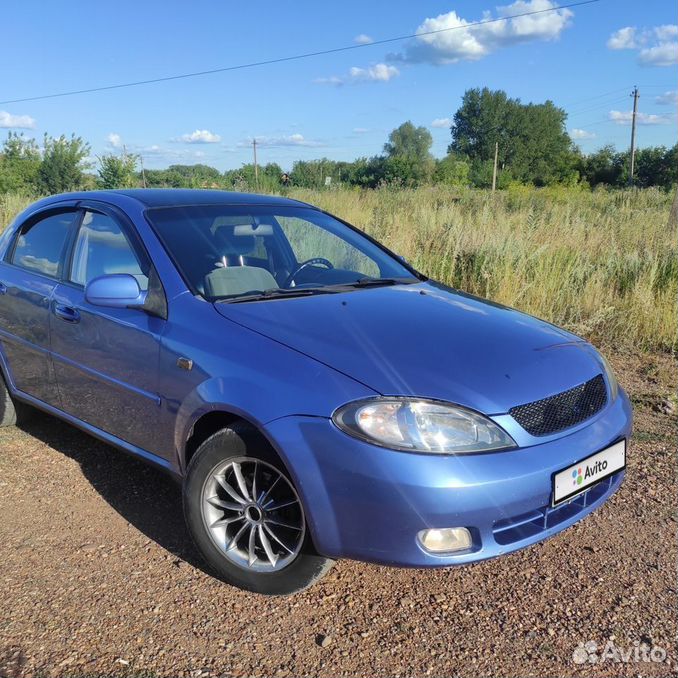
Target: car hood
<point>427,340</point>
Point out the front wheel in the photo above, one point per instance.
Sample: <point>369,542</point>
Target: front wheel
<point>246,518</point>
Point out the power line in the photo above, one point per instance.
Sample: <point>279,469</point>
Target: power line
<point>597,96</point>
<point>598,106</point>
<point>295,57</point>
<point>593,124</point>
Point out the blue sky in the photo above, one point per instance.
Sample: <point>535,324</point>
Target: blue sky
<point>586,59</point>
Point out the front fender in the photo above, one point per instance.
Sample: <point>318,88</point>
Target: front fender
<point>237,371</point>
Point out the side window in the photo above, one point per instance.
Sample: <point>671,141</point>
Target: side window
<point>102,248</point>
<point>40,247</point>
<point>309,241</point>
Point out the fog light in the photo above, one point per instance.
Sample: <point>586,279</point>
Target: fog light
<point>445,540</point>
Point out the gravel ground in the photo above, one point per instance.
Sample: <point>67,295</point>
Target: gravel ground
<point>99,577</point>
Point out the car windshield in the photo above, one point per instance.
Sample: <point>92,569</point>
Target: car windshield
<point>251,253</point>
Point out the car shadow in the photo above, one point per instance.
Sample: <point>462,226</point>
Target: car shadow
<point>146,497</point>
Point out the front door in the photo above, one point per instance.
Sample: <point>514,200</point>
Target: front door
<point>106,359</point>
<point>28,278</point>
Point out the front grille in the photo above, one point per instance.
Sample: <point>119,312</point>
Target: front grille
<point>530,525</point>
<point>550,415</point>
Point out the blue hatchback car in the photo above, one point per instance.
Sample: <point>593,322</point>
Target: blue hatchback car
<point>317,397</point>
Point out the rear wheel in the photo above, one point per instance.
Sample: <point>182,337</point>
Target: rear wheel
<point>246,517</point>
<point>11,411</point>
<point>7,410</point>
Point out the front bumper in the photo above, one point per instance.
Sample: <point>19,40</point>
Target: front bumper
<point>368,503</point>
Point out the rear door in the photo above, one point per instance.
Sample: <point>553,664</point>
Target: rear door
<point>106,359</point>
<point>28,277</point>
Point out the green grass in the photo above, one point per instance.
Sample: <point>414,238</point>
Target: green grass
<point>602,264</point>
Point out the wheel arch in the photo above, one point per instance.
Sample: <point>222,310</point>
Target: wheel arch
<point>215,420</point>
<point>210,422</point>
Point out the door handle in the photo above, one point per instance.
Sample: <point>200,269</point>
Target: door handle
<point>3,288</point>
<point>67,313</point>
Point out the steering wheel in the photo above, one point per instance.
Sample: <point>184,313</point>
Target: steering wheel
<point>309,262</point>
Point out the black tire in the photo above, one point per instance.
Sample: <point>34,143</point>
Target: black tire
<point>12,412</point>
<point>8,414</point>
<point>238,442</point>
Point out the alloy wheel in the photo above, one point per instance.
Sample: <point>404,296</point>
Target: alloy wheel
<point>253,514</point>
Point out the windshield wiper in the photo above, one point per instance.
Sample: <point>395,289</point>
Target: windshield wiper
<point>379,282</point>
<point>284,293</point>
<point>278,293</point>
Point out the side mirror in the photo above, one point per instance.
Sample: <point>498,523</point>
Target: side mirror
<point>119,290</point>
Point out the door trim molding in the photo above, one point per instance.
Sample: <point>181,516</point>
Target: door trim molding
<point>95,374</point>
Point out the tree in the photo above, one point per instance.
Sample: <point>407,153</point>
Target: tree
<point>194,176</point>
<point>19,164</point>
<point>364,172</point>
<point>312,173</point>
<point>62,164</point>
<point>117,171</point>
<point>452,171</point>
<point>533,143</point>
<point>605,166</point>
<point>408,156</point>
<point>656,166</point>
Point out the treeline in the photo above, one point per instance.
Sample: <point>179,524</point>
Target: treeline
<point>530,141</point>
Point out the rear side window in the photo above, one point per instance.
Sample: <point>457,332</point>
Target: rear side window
<point>40,247</point>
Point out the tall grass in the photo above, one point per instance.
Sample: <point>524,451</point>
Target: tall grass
<point>10,205</point>
<point>603,264</point>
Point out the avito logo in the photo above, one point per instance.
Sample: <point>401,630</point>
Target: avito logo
<point>580,476</point>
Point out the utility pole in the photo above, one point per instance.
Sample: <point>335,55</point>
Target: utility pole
<point>494,171</point>
<point>635,96</point>
<point>143,171</point>
<point>256,167</point>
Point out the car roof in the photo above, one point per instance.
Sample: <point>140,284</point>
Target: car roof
<point>170,197</point>
<point>167,197</point>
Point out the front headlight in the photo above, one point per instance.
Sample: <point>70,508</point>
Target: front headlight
<point>421,426</point>
<point>611,379</point>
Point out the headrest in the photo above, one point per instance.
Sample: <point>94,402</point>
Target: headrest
<point>224,282</point>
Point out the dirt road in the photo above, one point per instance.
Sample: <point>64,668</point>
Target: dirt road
<point>98,577</point>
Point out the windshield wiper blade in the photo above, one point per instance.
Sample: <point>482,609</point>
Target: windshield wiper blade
<point>377,282</point>
<point>278,293</point>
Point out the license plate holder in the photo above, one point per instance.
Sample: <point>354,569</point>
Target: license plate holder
<point>584,474</point>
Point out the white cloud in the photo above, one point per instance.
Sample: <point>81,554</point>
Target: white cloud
<point>663,54</point>
<point>666,32</point>
<point>467,42</point>
<point>581,134</point>
<point>625,118</point>
<point>200,136</point>
<point>442,123</point>
<point>155,150</point>
<point>363,39</point>
<point>375,73</point>
<point>331,80</point>
<point>360,130</point>
<point>115,140</point>
<point>284,140</point>
<point>667,99</point>
<point>9,121</point>
<point>656,46</point>
<point>624,38</point>
<point>156,154</point>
